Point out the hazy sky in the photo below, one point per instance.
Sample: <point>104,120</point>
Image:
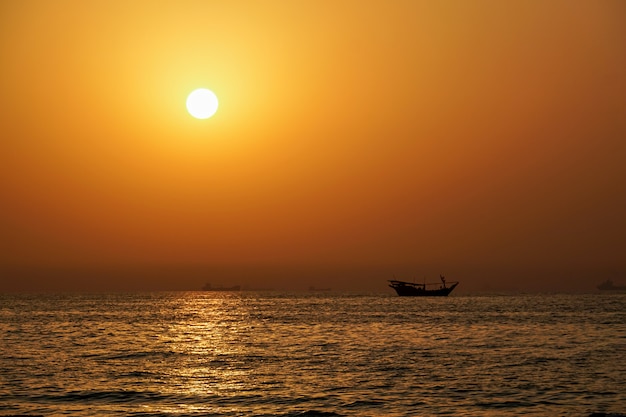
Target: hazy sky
<point>354,140</point>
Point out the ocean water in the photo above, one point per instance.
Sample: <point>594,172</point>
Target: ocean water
<point>312,354</point>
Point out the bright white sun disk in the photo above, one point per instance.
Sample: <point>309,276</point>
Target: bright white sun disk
<point>202,103</point>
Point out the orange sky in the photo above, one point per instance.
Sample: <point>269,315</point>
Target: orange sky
<point>407,137</point>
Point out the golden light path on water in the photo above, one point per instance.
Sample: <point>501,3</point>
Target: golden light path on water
<point>208,331</point>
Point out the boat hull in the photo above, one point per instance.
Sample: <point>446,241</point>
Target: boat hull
<point>407,290</point>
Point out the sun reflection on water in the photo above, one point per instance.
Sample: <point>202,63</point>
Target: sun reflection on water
<point>207,336</point>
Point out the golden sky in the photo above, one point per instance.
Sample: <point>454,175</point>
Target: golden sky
<point>447,134</point>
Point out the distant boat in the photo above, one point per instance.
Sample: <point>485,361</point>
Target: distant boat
<point>412,289</point>
<point>609,286</point>
<point>312,288</point>
<point>208,287</point>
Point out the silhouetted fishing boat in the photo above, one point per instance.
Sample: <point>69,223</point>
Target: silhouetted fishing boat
<point>412,289</point>
<point>208,287</point>
<point>609,286</point>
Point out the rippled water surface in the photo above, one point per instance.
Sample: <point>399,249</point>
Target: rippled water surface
<point>279,354</point>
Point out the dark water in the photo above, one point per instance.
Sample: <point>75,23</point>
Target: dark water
<point>273,354</point>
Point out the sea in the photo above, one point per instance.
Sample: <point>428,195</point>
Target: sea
<point>312,354</point>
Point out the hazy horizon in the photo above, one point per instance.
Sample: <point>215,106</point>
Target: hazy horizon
<point>473,279</point>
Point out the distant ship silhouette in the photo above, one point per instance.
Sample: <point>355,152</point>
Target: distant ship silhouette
<point>312,288</point>
<point>609,286</point>
<point>208,287</point>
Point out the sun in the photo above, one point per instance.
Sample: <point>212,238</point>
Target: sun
<point>202,103</point>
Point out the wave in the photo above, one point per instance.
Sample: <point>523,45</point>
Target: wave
<point>140,355</point>
<point>117,396</point>
<point>313,413</point>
